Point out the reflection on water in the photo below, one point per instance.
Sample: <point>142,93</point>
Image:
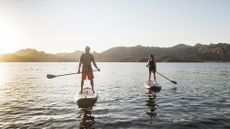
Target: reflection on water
<point>87,120</point>
<point>151,103</point>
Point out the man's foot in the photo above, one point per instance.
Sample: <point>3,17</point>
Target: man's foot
<point>93,90</point>
<point>81,91</point>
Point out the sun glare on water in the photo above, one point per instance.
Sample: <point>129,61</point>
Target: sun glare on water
<point>4,70</point>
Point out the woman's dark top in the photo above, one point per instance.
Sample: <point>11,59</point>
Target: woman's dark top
<point>152,65</point>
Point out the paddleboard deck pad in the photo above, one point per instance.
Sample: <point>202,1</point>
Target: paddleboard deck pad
<point>153,86</point>
<point>86,99</point>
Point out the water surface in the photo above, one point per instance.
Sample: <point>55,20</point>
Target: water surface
<point>200,100</point>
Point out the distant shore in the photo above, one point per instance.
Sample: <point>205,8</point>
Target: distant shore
<point>179,53</point>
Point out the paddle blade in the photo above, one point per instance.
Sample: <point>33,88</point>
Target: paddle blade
<point>50,76</point>
<point>174,82</point>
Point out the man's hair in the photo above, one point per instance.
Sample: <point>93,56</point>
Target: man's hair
<point>87,47</point>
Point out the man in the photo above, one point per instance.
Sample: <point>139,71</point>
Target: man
<point>87,71</point>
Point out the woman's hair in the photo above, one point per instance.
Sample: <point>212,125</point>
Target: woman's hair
<point>152,57</point>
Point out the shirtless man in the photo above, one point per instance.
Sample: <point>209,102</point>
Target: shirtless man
<point>87,71</point>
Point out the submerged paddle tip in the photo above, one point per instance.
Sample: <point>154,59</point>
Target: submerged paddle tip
<point>174,82</point>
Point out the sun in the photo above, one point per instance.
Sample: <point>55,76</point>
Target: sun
<point>11,38</point>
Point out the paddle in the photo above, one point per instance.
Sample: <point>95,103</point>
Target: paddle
<point>174,82</point>
<point>50,76</point>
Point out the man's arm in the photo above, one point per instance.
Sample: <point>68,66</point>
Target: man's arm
<point>95,64</point>
<point>80,63</point>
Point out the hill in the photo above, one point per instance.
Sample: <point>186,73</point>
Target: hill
<point>179,53</point>
<point>30,55</point>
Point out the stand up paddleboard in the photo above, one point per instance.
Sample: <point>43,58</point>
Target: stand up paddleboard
<point>153,86</point>
<point>86,99</point>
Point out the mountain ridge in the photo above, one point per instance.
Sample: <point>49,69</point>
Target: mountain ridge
<point>179,53</point>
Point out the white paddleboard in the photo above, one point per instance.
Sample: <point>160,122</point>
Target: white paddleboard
<point>86,99</point>
<point>152,86</point>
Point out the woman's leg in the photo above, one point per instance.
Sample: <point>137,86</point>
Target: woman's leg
<point>149,75</point>
<point>154,74</point>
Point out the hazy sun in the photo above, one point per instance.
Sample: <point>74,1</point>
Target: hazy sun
<point>11,38</point>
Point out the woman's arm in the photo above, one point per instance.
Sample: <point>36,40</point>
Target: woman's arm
<point>147,64</point>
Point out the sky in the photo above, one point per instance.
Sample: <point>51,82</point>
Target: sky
<point>68,25</point>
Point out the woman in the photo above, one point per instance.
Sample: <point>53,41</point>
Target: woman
<point>152,67</point>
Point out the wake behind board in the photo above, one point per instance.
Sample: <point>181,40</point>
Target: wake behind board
<point>86,99</point>
<point>153,86</point>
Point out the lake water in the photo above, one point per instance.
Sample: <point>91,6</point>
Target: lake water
<point>200,100</point>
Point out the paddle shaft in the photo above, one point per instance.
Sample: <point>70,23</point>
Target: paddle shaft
<point>67,74</point>
<point>167,78</point>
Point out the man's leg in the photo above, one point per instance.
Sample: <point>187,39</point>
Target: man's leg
<point>92,84</point>
<point>82,83</point>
